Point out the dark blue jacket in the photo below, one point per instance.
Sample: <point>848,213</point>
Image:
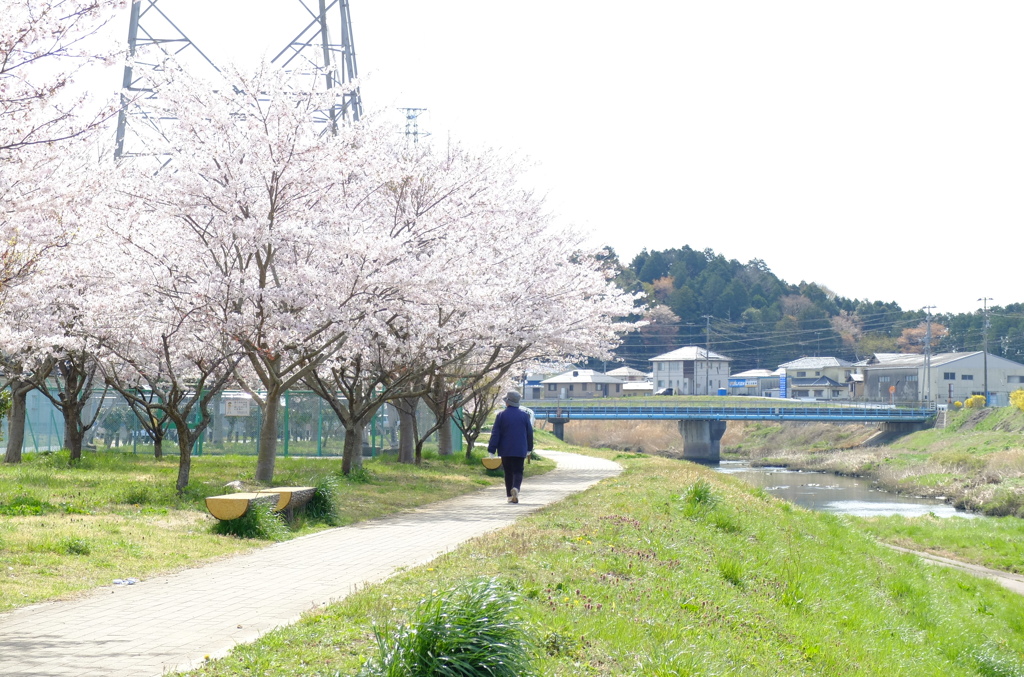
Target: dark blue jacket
<point>512,434</point>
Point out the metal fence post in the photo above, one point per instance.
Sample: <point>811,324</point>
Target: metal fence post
<point>373,435</point>
<point>28,422</point>
<point>319,426</point>
<point>259,428</point>
<point>48,438</point>
<point>287,406</point>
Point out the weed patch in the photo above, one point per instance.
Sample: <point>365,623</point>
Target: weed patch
<point>468,631</point>
<point>25,505</point>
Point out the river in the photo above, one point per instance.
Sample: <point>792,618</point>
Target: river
<point>835,493</point>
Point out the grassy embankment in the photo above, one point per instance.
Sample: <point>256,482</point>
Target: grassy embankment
<point>977,461</point>
<point>68,528</point>
<point>673,569</point>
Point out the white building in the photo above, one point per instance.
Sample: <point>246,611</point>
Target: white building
<point>691,370</point>
<point>755,382</point>
<point>950,377</point>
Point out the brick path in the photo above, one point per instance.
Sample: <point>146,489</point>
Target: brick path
<point>171,622</point>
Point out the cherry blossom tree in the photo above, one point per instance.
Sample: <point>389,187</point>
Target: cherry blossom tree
<point>169,366</point>
<point>488,283</point>
<point>42,343</point>
<point>261,204</point>
<point>44,45</point>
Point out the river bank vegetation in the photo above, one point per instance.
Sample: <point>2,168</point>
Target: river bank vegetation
<point>673,569</point>
<point>976,461</point>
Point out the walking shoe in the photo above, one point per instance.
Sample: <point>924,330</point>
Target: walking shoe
<point>514,498</point>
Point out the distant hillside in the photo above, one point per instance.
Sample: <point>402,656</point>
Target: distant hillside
<point>762,321</point>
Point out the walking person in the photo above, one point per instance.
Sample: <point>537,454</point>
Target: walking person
<point>512,439</point>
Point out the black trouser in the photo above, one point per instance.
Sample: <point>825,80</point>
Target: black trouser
<point>513,467</point>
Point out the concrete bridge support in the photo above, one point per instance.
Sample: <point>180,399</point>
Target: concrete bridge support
<point>901,427</point>
<point>559,426</point>
<point>702,440</point>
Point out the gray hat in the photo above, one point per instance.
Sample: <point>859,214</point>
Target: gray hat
<point>512,398</point>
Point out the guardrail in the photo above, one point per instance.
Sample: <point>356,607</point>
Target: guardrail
<point>787,413</point>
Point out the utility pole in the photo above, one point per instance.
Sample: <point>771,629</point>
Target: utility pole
<point>985,300</point>
<point>707,356</point>
<point>928,356</point>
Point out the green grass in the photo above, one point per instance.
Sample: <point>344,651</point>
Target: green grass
<point>627,579</point>
<point>994,542</point>
<point>69,528</point>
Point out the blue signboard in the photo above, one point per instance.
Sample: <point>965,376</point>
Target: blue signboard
<point>782,386</point>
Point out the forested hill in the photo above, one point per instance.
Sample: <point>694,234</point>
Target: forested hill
<point>762,321</point>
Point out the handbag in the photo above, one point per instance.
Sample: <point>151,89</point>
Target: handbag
<point>491,462</point>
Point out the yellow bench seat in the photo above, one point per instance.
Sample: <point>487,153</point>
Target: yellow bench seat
<point>233,506</point>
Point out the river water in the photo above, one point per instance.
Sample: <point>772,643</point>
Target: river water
<point>836,494</point>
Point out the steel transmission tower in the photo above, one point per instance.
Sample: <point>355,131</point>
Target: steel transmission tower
<point>153,37</point>
<point>314,47</point>
<point>412,124</point>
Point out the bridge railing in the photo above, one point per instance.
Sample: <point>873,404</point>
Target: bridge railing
<point>861,412</point>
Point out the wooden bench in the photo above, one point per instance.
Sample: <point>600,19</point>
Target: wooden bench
<point>233,506</point>
<point>290,498</point>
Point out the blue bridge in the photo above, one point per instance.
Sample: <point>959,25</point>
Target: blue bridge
<point>702,427</point>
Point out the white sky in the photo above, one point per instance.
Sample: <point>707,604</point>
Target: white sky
<point>874,147</point>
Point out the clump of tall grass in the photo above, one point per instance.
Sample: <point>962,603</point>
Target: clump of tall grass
<point>323,507</point>
<point>470,630</point>
<point>731,569</point>
<point>699,499</point>
<point>259,521</point>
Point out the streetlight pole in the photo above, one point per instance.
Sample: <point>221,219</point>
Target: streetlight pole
<point>928,356</point>
<point>707,356</point>
<point>985,300</point>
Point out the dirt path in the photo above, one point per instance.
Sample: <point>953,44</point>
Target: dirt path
<point>1009,581</point>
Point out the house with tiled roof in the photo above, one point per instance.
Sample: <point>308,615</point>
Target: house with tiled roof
<point>629,374</point>
<point>691,370</point>
<point>818,378</point>
<point>581,384</point>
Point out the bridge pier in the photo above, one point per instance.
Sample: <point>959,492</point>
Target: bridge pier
<point>702,440</point>
<point>558,423</point>
<point>901,427</point>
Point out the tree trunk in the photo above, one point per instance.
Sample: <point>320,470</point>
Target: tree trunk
<point>158,447</point>
<point>352,456</point>
<point>185,443</point>
<point>268,438</point>
<point>444,437</point>
<point>16,421</point>
<point>406,429</point>
<point>470,444</point>
<point>72,435</point>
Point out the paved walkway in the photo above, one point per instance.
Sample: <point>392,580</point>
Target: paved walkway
<point>170,622</point>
